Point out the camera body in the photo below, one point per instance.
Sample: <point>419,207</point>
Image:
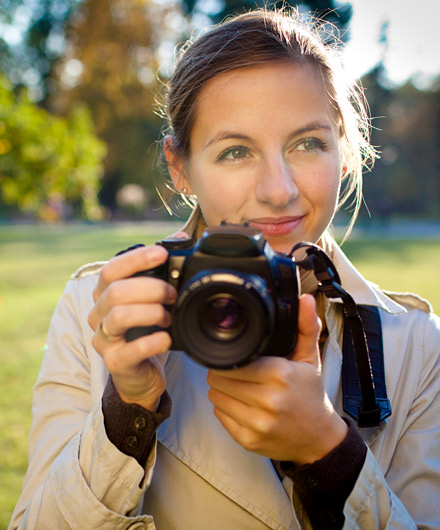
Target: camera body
<point>237,297</point>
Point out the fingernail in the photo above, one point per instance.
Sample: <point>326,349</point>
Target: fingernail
<point>172,294</point>
<point>155,254</point>
<point>180,236</point>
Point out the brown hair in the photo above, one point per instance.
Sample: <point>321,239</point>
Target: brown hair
<point>264,36</point>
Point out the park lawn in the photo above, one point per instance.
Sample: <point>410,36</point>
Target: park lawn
<point>401,265</point>
<point>35,263</point>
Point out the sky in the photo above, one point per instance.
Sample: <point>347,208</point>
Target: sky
<point>413,39</point>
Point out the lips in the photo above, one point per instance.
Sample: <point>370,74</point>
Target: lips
<point>276,226</point>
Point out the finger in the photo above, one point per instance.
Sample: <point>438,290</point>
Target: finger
<point>309,329</point>
<point>128,264</point>
<point>257,371</point>
<point>272,379</point>
<point>124,358</point>
<point>104,332</point>
<point>259,396</point>
<point>123,317</point>
<point>138,290</point>
<point>230,407</point>
<point>234,428</point>
<point>248,427</point>
<point>179,235</point>
<point>237,389</point>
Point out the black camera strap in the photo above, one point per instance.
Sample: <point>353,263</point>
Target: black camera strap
<point>372,404</point>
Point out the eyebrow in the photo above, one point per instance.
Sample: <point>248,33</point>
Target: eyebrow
<point>226,135</point>
<point>231,135</point>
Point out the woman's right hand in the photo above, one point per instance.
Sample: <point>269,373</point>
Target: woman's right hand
<point>123,302</point>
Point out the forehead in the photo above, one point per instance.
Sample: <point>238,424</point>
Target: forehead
<point>261,95</point>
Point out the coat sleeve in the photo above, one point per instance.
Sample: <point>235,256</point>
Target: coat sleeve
<point>401,489</point>
<point>76,477</point>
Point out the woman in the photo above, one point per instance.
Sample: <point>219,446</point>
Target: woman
<point>261,130</point>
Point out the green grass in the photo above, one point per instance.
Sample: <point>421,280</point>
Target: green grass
<point>400,265</point>
<point>35,263</point>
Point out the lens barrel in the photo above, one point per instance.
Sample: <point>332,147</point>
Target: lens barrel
<point>223,319</point>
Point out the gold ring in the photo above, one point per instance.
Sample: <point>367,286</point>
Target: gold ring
<point>104,333</point>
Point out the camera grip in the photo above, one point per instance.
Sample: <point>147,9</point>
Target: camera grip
<point>134,333</point>
<point>140,331</point>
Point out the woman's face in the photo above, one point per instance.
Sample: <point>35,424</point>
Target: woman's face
<point>265,148</point>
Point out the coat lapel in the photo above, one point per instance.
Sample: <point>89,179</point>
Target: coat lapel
<point>195,436</point>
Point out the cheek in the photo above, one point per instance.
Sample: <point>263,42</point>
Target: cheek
<point>322,188</point>
<point>220,195</point>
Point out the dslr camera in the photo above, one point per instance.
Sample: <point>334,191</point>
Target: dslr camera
<point>237,297</point>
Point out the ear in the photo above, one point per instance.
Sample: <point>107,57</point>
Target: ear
<point>176,166</point>
<point>344,172</point>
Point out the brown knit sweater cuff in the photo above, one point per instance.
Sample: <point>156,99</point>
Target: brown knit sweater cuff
<point>324,486</point>
<point>130,427</point>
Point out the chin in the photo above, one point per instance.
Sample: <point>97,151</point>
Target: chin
<point>283,247</point>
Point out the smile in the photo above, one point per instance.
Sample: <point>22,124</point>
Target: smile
<point>276,226</point>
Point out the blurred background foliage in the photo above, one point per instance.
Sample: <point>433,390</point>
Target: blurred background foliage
<point>48,164</point>
<point>78,130</point>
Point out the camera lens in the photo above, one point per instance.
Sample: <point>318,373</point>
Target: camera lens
<point>223,319</point>
<point>223,316</point>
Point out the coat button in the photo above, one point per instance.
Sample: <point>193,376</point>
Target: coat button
<point>312,482</point>
<point>132,442</point>
<point>140,423</point>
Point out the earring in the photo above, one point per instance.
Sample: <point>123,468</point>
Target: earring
<point>184,191</point>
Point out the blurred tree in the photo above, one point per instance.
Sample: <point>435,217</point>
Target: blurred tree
<point>333,11</point>
<point>45,160</point>
<point>108,60</point>
<point>37,30</point>
<point>406,180</point>
<point>110,64</point>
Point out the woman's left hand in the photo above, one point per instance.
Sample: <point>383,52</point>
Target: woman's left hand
<point>278,407</point>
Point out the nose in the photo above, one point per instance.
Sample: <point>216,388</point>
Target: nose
<point>276,184</point>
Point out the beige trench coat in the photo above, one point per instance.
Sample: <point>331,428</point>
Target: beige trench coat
<point>197,477</point>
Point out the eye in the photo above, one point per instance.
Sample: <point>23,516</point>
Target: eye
<point>310,144</point>
<point>234,153</point>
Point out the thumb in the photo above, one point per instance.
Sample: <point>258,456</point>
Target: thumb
<point>179,235</point>
<point>309,329</point>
